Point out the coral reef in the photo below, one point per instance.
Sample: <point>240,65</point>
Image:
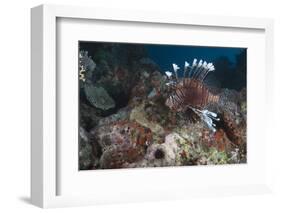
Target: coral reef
<point>125,123</point>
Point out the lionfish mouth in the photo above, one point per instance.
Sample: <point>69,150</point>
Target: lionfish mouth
<point>190,91</point>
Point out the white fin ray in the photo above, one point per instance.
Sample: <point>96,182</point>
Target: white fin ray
<point>194,64</point>
<point>186,66</point>
<point>176,68</point>
<point>168,74</point>
<point>208,117</point>
<point>198,70</point>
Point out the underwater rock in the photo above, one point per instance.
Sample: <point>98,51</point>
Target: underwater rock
<point>164,154</point>
<point>212,157</point>
<point>120,73</point>
<point>98,97</point>
<point>229,99</point>
<point>200,148</point>
<point>88,155</point>
<point>157,80</point>
<point>83,134</point>
<point>88,117</point>
<point>233,116</point>
<point>122,142</point>
<point>120,156</point>
<point>243,102</point>
<point>122,114</point>
<point>139,91</point>
<point>85,159</point>
<point>231,127</point>
<point>217,140</point>
<point>148,85</point>
<point>122,132</point>
<point>138,115</point>
<point>191,132</point>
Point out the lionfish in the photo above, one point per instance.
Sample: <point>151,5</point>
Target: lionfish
<point>190,93</point>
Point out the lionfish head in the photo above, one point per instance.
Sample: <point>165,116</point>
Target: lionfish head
<point>174,103</point>
<point>171,104</point>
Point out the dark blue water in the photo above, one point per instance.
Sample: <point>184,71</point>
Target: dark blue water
<point>230,63</point>
<point>165,55</point>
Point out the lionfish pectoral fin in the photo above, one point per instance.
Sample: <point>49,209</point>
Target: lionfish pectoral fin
<point>208,117</point>
<point>210,114</point>
<point>209,123</point>
<point>190,115</point>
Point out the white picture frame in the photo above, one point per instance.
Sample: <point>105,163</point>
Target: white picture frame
<point>44,147</point>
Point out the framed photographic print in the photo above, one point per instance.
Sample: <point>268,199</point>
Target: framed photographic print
<point>149,106</point>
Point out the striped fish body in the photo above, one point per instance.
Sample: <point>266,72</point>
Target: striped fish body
<point>190,93</point>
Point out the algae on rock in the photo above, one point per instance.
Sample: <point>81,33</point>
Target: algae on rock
<point>98,97</point>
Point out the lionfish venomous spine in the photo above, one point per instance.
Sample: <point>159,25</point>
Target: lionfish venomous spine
<point>190,92</point>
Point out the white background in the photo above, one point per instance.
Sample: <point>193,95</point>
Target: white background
<point>15,99</point>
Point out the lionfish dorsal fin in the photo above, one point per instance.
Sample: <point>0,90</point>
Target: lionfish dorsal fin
<point>199,70</point>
